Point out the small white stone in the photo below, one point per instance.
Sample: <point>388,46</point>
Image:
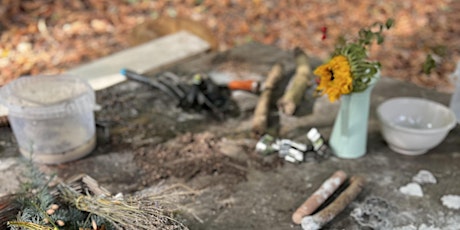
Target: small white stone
<point>412,189</point>
<point>424,177</point>
<point>451,201</point>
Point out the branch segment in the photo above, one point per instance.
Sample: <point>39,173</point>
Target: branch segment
<point>298,85</point>
<point>260,119</point>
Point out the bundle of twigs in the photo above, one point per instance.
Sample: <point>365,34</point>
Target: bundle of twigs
<point>132,212</point>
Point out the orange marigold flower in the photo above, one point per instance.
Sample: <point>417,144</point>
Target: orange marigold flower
<point>335,78</point>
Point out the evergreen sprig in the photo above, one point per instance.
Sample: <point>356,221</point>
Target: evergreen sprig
<point>36,199</point>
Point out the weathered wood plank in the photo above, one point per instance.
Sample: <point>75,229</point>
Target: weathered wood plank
<point>160,52</point>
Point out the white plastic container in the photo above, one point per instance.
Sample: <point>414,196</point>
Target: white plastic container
<point>51,116</point>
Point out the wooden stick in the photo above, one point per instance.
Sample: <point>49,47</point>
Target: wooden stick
<point>321,218</point>
<point>298,85</point>
<point>319,196</point>
<point>260,119</point>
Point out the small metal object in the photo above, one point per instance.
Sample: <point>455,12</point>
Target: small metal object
<point>319,145</point>
<point>292,149</point>
<point>315,137</point>
<point>296,145</point>
<point>266,145</point>
<point>289,150</point>
<point>290,159</point>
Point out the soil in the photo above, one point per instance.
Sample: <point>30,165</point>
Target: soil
<point>194,155</point>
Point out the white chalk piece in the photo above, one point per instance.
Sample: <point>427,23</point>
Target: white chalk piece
<point>424,177</point>
<point>451,201</point>
<point>412,189</point>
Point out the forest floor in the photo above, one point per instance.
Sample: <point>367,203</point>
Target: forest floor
<point>49,37</point>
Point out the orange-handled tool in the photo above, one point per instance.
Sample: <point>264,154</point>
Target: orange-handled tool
<point>246,85</point>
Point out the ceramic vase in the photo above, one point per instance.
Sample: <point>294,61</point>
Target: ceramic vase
<point>349,133</point>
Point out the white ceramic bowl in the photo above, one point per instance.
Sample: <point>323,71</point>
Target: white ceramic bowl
<point>412,126</point>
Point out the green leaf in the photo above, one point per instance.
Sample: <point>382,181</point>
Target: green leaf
<point>380,38</point>
<point>389,23</point>
<point>429,64</point>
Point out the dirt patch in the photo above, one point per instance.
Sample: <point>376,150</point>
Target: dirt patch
<point>193,155</point>
<point>168,142</point>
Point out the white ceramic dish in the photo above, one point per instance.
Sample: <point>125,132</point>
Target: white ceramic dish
<point>412,126</point>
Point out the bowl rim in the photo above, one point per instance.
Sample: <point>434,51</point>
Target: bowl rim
<point>448,127</point>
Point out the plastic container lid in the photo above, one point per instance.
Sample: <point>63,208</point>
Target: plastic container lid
<point>47,96</point>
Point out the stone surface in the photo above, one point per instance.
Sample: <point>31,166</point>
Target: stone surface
<point>264,198</point>
<point>11,171</point>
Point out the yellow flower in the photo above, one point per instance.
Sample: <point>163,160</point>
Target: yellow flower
<point>335,77</point>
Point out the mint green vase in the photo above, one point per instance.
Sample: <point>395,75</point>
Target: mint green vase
<point>349,134</point>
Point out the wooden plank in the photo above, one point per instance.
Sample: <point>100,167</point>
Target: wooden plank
<point>160,52</point>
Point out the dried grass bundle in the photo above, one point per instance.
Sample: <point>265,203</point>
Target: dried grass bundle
<point>130,212</point>
<point>81,203</point>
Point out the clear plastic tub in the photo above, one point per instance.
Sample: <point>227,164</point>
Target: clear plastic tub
<point>51,116</point>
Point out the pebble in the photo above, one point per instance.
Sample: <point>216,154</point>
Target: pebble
<point>424,177</point>
<point>451,201</point>
<point>412,189</point>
